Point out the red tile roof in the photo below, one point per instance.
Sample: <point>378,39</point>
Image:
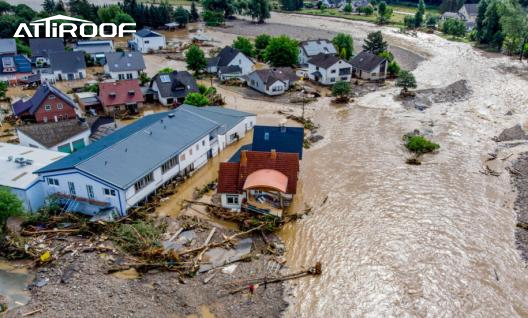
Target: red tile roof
<point>232,175</point>
<point>120,93</point>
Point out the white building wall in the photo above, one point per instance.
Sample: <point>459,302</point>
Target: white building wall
<point>223,200</point>
<point>150,43</point>
<point>125,75</point>
<point>245,64</point>
<point>32,197</point>
<point>64,76</point>
<point>327,77</point>
<point>161,99</point>
<point>25,140</point>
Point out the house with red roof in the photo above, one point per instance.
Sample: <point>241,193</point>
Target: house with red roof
<point>49,104</point>
<point>262,182</point>
<point>121,95</point>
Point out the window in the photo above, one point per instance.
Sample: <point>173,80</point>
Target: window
<point>121,76</point>
<point>47,108</point>
<point>190,152</point>
<point>147,42</point>
<point>45,119</point>
<point>197,147</point>
<point>143,182</point>
<point>333,71</point>
<point>169,164</point>
<point>332,79</point>
<point>51,97</point>
<point>232,199</point>
<point>240,61</point>
<point>182,157</point>
<point>203,143</point>
<point>90,191</point>
<point>266,136</point>
<point>109,192</point>
<point>53,182</point>
<point>59,106</point>
<point>71,188</point>
<point>344,78</point>
<point>129,75</point>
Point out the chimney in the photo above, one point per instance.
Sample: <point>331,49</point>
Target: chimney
<point>243,158</point>
<point>273,154</point>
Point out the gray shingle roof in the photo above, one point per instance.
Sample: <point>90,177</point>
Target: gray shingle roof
<point>314,47</point>
<point>230,69</point>
<point>366,61</point>
<point>147,33</point>
<point>323,60</point>
<point>471,8</point>
<point>8,46</point>
<point>270,76</point>
<point>67,62</point>
<point>181,83</point>
<point>44,46</point>
<point>54,133</point>
<point>93,47</point>
<point>224,57</point>
<point>125,61</point>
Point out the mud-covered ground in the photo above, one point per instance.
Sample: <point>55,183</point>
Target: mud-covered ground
<point>520,181</point>
<point>78,285</point>
<point>425,98</point>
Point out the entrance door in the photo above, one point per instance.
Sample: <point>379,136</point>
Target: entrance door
<point>71,77</point>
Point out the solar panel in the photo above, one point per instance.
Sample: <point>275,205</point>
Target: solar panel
<point>8,62</point>
<point>165,78</point>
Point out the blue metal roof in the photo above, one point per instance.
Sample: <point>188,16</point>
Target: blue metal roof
<point>227,118</point>
<point>282,139</point>
<point>23,64</point>
<point>131,152</point>
<point>236,155</point>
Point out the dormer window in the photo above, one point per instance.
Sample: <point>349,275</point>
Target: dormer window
<point>131,92</point>
<point>51,97</point>
<point>112,94</point>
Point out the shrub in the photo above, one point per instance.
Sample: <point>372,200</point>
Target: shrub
<point>213,18</point>
<point>420,145</point>
<point>196,99</point>
<point>138,237</point>
<point>10,205</point>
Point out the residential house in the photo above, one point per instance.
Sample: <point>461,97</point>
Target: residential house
<point>274,81</point>
<point>14,69</point>
<point>172,88</point>
<point>328,69</point>
<point>121,95</point>
<point>64,136</point>
<point>17,164</point>
<point>262,182</point>
<point>125,167</point>
<point>67,66</point>
<point>229,56</point>
<point>280,138</point>
<point>229,72</point>
<point>42,47</point>
<point>369,66</point>
<point>359,4</point>
<point>467,13</point>
<point>124,65</point>
<point>96,49</point>
<point>451,15</point>
<point>8,47</point>
<point>146,40</point>
<point>311,48</point>
<point>47,104</point>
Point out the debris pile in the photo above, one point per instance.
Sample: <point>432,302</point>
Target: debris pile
<point>425,98</point>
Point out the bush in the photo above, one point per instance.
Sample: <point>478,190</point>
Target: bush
<point>10,205</point>
<point>213,18</point>
<point>347,8</point>
<point>138,237</point>
<point>196,99</point>
<point>420,144</point>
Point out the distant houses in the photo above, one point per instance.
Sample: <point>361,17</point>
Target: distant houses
<point>368,66</point>
<point>8,47</point>
<point>124,65</point>
<point>42,47</point>
<point>64,136</point>
<point>121,95</point>
<point>96,49</point>
<point>18,164</point>
<point>146,40</point>
<point>467,13</point>
<point>261,182</point>
<point>229,56</point>
<point>13,66</point>
<point>328,69</point>
<point>172,88</point>
<point>311,48</point>
<point>46,105</point>
<point>274,81</point>
<point>120,170</point>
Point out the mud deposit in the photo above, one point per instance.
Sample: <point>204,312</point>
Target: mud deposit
<point>425,98</point>
<point>520,180</point>
<point>514,133</point>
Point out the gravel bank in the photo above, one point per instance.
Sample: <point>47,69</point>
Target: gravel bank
<point>520,181</point>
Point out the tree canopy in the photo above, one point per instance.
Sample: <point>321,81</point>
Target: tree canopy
<point>195,59</point>
<point>181,16</point>
<point>344,44</point>
<point>374,43</point>
<point>10,205</point>
<point>259,10</point>
<point>282,51</point>
<point>196,99</point>
<point>406,80</point>
<point>384,13</point>
<point>244,45</point>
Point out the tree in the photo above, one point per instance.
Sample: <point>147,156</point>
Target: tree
<point>419,15</point>
<point>3,89</point>
<point>8,25</point>
<point>22,48</point>
<point>454,27</point>
<point>406,80</point>
<point>259,9</point>
<point>344,44</point>
<point>181,16</point>
<point>384,13</point>
<point>409,21</point>
<point>225,7</point>
<point>342,91</point>
<point>194,12</point>
<point>262,41</point>
<point>367,10</point>
<point>166,70</point>
<point>393,69</point>
<point>514,23</point>
<point>488,24</point>
<point>282,51</point>
<point>213,18</point>
<point>49,6</point>
<point>291,5</point>
<point>4,7</point>
<point>144,78</point>
<point>374,43</point>
<point>348,8</point>
<point>196,99</point>
<point>10,205</point>
<point>244,45</point>
<point>431,21</point>
<point>195,59</point>
<point>113,14</point>
<point>25,12</point>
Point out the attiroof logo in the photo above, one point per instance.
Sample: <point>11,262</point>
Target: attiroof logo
<point>59,28</point>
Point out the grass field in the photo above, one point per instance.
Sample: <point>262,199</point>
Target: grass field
<point>171,2</point>
<point>396,19</point>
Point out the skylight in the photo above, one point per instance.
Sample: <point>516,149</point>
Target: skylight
<point>165,78</point>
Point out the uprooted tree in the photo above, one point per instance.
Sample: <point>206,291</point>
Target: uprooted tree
<point>406,80</point>
<point>341,91</point>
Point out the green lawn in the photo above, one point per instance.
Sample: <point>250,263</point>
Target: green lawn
<point>412,9</point>
<point>396,19</point>
<point>172,2</point>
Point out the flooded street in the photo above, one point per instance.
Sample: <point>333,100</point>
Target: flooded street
<point>13,284</point>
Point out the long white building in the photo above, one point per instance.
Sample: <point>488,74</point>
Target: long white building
<point>123,168</point>
<point>17,164</point>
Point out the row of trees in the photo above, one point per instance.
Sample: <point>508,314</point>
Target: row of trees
<point>216,11</point>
